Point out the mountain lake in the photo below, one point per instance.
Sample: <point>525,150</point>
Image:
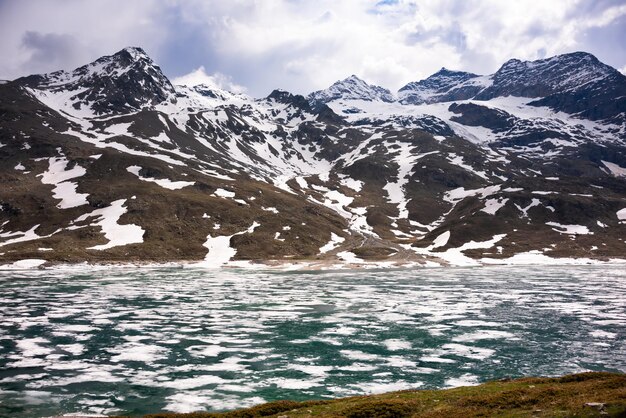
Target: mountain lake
<point>97,340</point>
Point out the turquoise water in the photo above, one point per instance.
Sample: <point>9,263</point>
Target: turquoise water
<point>134,341</point>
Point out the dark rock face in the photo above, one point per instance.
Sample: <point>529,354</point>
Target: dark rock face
<point>295,100</point>
<point>603,99</point>
<point>475,115</point>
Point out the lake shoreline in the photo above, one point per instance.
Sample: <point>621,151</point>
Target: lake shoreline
<point>312,264</point>
<point>583,394</point>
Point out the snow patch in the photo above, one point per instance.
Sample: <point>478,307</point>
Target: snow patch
<point>334,242</point>
<point>458,161</point>
<point>570,229</point>
<point>220,251</point>
<point>224,193</point>
<point>22,236</point>
<point>534,202</point>
<point>351,183</point>
<point>108,221</point>
<point>441,240</point>
<point>455,256</point>
<point>456,195</point>
<point>621,215</point>
<point>165,183</point>
<point>302,182</point>
<point>349,257</point>
<point>396,190</point>
<point>615,169</point>
<point>493,205</point>
<point>536,257</point>
<point>57,174</point>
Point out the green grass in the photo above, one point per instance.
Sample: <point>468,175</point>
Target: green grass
<point>529,397</point>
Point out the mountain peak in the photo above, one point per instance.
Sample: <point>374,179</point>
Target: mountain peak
<point>123,60</point>
<point>446,71</point>
<point>280,95</point>
<point>557,63</point>
<point>354,78</point>
<point>351,88</point>
<point>126,80</point>
<point>438,85</point>
<point>285,97</point>
<point>541,78</point>
<point>135,52</point>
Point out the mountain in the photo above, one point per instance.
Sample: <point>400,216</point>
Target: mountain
<point>111,162</point>
<point>541,78</point>
<point>576,83</point>
<point>126,81</point>
<point>443,86</point>
<point>351,88</point>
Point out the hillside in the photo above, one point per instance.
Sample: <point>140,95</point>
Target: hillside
<point>110,162</point>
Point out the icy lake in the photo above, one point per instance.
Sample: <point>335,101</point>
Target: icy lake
<point>133,341</point>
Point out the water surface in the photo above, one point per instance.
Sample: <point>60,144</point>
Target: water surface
<point>135,341</point>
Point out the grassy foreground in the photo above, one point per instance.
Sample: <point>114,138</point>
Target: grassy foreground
<point>579,395</point>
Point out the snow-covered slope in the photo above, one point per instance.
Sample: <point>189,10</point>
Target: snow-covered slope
<point>112,162</point>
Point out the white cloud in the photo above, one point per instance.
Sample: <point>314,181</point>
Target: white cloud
<point>304,45</point>
<point>216,80</point>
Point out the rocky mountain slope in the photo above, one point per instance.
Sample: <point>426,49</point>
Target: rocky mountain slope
<point>111,162</point>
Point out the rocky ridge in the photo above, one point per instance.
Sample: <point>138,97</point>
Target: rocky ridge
<point>111,162</point>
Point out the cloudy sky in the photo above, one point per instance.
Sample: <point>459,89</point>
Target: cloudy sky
<point>304,45</point>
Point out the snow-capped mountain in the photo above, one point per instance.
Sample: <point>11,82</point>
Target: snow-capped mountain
<point>576,83</point>
<point>126,81</point>
<point>112,162</point>
<point>349,89</point>
<point>443,86</point>
<point>541,78</point>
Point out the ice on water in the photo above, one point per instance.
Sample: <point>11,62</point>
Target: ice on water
<point>100,341</point>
